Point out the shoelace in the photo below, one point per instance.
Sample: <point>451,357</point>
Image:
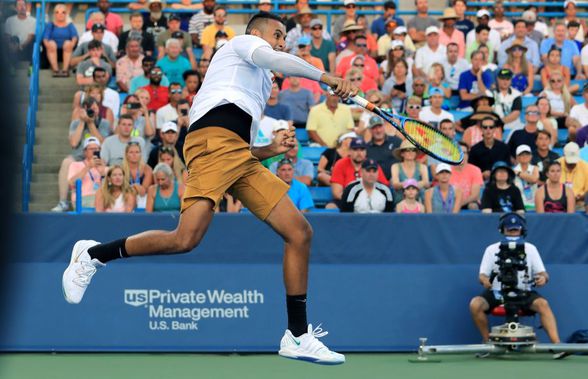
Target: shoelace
<point>85,273</point>
<point>313,344</point>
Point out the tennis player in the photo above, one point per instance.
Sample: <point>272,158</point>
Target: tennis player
<point>223,119</point>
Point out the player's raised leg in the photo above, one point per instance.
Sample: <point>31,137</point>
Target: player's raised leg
<point>89,256</point>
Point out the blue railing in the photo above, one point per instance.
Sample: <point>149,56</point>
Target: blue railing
<point>32,109</point>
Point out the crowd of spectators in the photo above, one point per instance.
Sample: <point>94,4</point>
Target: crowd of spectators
<point>474,78</point>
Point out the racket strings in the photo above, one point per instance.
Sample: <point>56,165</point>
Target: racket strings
<point>432,140</point>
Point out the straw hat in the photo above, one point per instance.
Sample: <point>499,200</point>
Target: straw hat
<point>305,10</point>
<point>406,144</point>
<point>350,26</point>
<point>448,14</point>
<point>483,112</point>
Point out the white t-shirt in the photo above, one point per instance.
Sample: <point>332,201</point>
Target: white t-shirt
<point>534,265</point>
<point>425,57</point>
<point>584,56</point>
<point>427,115</point>
<point>505,28</point>
<point>452,72</point>
<point>109,39</point>
<point>20,28</point>
<point>112,101</point>
<point>165,114</point>
<point>556,101</point>
<point>580,113</point>
<point>232,77</point>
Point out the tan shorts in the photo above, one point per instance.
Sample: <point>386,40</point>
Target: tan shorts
<point>219,161</point>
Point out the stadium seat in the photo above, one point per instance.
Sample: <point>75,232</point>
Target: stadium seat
<point>313,153</point>
<point>505,134</point>
<point>584,153</point>
<point>458,115</point>
<point>452,102</point>
<point>528,100</point>
<point>122,96</point>
<point>321,195</point>
<point>562,135</point>
<point>302,136</point>
<point>580,83</point>
<point>558,150</point>
<point>579,99</point>
<point>537,86</point>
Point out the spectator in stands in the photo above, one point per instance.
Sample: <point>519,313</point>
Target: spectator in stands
<point>302,28</point>
<point>385,41</point>
<point>430,53</point>
<point>474,134</point>
<point>115,194</point>
<point>570,55</point>
<point>136,32</point>
<point>443,197</point>
<point>299,99</point>
<point>139,174</point>
<point>291,22</point>
<point>142,125</point>
<point>173,64</point>
<point>473,83</point>
<point>508,102</point>
<point>573,29</point>
<point>527,176</point>
<point>193,81</point>
<point>499,23</point>
<point>349,15</point>
<point>421,22</point>
<point>401,34</point>
<point>331,155</point>
<point>398,83</point>
<point>82,52</point>
<point>346,46</point>
<point>528,134</point>
<point>20,30</point>
<point>174,31</point>
<point>168,136</point>
<point>208,33</point>
<point>113,21</point>
<point>143,80</point>
<point>570,10</point>
<point>454,66</point>
<point>582,136</point>
<point>366,195</point>
<point>558,94</point>
<point>357,74</point>
<point>185,17</point>
<point>98,29</point>
<point>414,103</point>
<point>298,192</point>
<point>166,194</point>
<point>85,69</point>
<point>410,202</point>
<point>379,24</point>
<point>530,18</point>
<point>110,98</point>
<point>487,66</point>
<point>304,53</point>
<point>546,121</point>
<point>328,120</point>
<point>158,93</point>
<point>483,18</point>
<point>449,33</point>
<point>129,66</point>
<point>462,23</point>
<point>382,145</point>
<point>408,168</point>
<point>139,5</point>
<point>154,22</point>
<point>554,196</point>
<point>359,48</point>
<point>553,64</point>
<point>169,112</point>
<point>500,195</point>
<point>265,6</point>
<point>520,37</point>
<point>433,114</point>
<point>436,78</point>
<point>468,179</point>
<point>490,150</point>
<point>95,91</point>
<point>320,47</point>
<point>88,124</point>
<point>275,109</point>
<point>113,147</point>
<point>170,157</point>
<point>543,155</point>
<point>59,39</point>
<point>447,127</point>
<point>90,171</point>
<point>575,173</point>
<point>482,38</point>
<point>523,71</point>
<point>580,111</point>
<point>303,168</point>
<point>347,169</point>
<point>513,227</point>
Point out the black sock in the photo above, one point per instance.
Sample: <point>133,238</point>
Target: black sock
<point>110,251</point>
<point>296,306</point>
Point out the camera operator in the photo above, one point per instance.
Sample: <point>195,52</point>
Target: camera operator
<point>513,227</point>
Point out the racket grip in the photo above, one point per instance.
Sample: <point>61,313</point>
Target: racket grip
<point>360,101</point>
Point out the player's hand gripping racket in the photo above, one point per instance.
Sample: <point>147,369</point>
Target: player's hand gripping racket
<point>422,135</point>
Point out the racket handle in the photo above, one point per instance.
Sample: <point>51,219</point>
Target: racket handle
<point>356,99</point>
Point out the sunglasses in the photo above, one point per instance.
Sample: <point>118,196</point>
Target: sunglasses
<point>517,48</point>
<point>361,44</point>
<point>486,127</point>
<point>156,73</point>
<point>165,149</point>
<point>418,85</point>
<point>414,106</point>
<point>133,143</point>
<point>302,46</point>
<point>356,79</point>
<point>317,28</point>
<point>533,113</point>
<point>410,150</point>
<point>555,81</point>
<point>349,6</point>
<point>358,65</point>
<point>175,91</point>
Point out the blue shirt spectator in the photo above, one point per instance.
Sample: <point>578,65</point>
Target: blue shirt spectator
<point>469,82</point>
<point>303,168</point>
<point>60,34</point>
<point>300,195</point>
<point>299,100</point>
<point>278,111</point>
<point>174,69</point>
<point>532,51</point>
<point>379,24</point>
<point>569,50</point>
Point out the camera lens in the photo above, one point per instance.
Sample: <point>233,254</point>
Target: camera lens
<point>90,113</point>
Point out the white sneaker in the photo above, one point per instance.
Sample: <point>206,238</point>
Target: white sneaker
<point>78,274</point>
<point>62,206</point>
<point>307,347</point>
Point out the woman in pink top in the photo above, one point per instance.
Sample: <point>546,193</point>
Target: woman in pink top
<point>410,204</point>
<point>115,194</point>
<point>90,171</point>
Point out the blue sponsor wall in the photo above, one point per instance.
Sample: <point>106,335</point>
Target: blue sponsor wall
<point>377,283</point>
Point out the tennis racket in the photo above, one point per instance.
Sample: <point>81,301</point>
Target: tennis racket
<point>426,138</point>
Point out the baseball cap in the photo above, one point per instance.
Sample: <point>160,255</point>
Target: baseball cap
<point>529,16</point>
<point>396,43</point>
<point>375,120</point>
<point>410,183</point>
<point>177,34</point>
<point>358,143</point>
<point>572,153</point>
<point>568,2</point>
<point>285,161</point>
<point>344,136</point>
<point>303,40</point>
<point>173,17</point>
<point>504,73</point>
<point>436,91</point>
<point>220,33</point>
<point>482,12</point>
<point>169,127</point>
<point>348,2</point>
<point>400,30</point>
<point>281,125</point>
<point>90,140</point>
<point>431,29</point>
<point>369,163</point>
<point>265,1</point>
<point>442,167</point>
<point>316,22</point>
<point>523,149</point>
<point>97,27</point>
<point>512,223</point>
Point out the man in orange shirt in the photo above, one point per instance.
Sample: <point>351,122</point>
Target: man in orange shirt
<point>468,178</point>
<point>359,48</point>
<point>304,53</point>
